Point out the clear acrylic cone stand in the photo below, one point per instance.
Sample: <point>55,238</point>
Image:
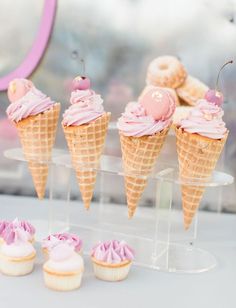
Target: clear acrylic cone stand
<point>156,231</point>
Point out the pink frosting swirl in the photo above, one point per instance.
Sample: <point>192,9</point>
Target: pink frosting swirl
<point>113,252</point>
<point>32,103</point>
<point>86,106</point>
<point>13,229</point>
<point>15,234</point>
<point>3,226</point>
<point>205,119</point>
<point>70,239</point>
<point>135,122</point>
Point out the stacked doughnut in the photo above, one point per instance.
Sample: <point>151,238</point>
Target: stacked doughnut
<point>169,72</point>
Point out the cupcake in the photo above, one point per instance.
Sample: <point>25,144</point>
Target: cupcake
<point>112,260</point>
<point>64,269</point>
<point>35,116</point>
<point>54,239</point>
<point>17,254</point>
<point>85,125</point>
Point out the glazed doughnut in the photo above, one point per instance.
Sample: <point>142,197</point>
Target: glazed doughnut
<point>192,90</point>
<point>172,91</point>
<point>166,71</point>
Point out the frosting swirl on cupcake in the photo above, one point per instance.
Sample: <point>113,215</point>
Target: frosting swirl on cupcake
<point>55,239</point>
<point>16,242</point>
<point>113,252</point>
<point>206,120</point>
<point>14,228</point>
<point>3,225</point>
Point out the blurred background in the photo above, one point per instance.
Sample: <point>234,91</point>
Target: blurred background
<point>117,40</point>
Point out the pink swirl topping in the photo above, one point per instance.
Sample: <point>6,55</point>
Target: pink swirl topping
<point>113,252</point>
<point>205,119</point>
<point>14,235</point>
<point>3,226</point>
<point>31,103</point>
<point>55,239</point>
<point>135,122</point>
<point>86,106</point>
<point>18,230</point>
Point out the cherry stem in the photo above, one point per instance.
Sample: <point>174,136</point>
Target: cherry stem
<point>83,66</point>
<point>218,76</point>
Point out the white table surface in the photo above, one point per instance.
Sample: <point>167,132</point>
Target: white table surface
<point>144,287</point>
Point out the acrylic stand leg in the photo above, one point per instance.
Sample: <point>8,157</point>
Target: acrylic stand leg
<point>60,223</point>
<point>173,256</point>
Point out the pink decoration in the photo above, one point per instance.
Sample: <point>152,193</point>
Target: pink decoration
<point>55,239</point>
<point>113,252</point>
<point>135,122</point>
<point>214,97</point>
<point>18,88</point>
<point>205,119</point>
<point>81,83</point>
<point>158,103</point>
<point>34,56</point>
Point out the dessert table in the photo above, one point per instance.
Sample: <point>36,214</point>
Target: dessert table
<point>144,287</point>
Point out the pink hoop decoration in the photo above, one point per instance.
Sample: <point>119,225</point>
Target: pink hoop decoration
<point>39,46</point>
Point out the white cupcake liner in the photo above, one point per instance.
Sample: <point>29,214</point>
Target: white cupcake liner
<point>62,283</point>
<point>16,267</point>
<point>111,273</point>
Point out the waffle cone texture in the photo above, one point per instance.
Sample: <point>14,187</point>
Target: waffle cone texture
<point>37,136</point>
<point>197,157</point>
<point>139,156</point>
<point>85,143</point>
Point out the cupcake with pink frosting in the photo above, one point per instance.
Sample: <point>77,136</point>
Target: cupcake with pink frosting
<point>112,260</point>
<point>143,128</point>
<point>35,116</point>
<point>85,125</point>
<point>64,269</point>
<point>17,254</point>
<point>53,240</point>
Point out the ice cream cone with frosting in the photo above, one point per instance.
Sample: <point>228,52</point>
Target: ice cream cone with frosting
<point>143,128</point>
<point>201,137</point>
<point>35,116</point>
<point>85,126</point>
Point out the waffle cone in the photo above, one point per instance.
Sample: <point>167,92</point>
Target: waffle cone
<point>197,157</point>
<point>139,156</point>
<point>85,143</point>
<point>37,136</point>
